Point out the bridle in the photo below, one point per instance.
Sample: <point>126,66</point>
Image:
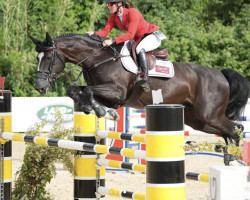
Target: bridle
<point>49,75</point>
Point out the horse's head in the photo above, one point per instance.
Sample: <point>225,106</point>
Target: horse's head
<point>50,63</point>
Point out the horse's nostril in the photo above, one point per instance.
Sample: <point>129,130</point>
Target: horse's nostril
<point>42,90</point>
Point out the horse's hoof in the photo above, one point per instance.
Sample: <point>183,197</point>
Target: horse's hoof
<point>86,109</point>
<point>232,160</point>
<point>240,127</point>
<point>114,114</point>
<point>100,111</point>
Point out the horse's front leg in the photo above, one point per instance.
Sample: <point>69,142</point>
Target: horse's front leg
<point>84,98</point>
<point>76,93</point>
<point>89,95</point>
<point>112,93</point>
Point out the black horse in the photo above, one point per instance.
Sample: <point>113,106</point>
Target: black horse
<point>212,98</point>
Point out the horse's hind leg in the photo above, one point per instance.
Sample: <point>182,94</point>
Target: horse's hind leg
<point>196,123</point>
<point>214,125</point>
<point>228,134</point>
<point>217,123</point>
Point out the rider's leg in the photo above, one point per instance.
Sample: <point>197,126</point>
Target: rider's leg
<point>148,43</point>
<point>143,79</point>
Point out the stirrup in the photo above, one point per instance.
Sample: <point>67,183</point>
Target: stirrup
<point>140,81</point>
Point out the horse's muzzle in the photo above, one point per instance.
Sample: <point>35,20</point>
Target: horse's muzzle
<point>42,83</point>
<point>42,86</point>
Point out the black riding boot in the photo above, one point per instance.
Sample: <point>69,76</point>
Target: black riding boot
<point>143,62</point>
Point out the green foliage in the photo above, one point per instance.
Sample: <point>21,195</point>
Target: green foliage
<point>88,13</point>
<point>17,73</point>
<point>224,10</point>
<point>220,146</point>
<point>38,166</point>
<point>5,65</point>
<point>215,33</point>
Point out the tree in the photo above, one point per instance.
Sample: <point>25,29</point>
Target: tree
<point>211,32</point>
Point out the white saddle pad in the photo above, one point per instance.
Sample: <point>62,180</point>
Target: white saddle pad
<point>163,68</point>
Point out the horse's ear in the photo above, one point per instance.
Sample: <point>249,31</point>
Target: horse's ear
<point>35,40</point>
<point>49,39</point>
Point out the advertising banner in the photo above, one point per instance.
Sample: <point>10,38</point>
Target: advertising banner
<point>26,111</point>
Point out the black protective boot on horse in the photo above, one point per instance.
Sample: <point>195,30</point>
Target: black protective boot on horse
<point>142,80</point>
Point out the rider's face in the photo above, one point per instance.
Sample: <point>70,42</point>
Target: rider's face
<point>113,7</point>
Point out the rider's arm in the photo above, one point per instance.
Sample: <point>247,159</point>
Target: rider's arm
<point>109,26</point>
<point>133,20</point>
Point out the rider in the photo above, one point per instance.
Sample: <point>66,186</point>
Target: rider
<point>126,17</point>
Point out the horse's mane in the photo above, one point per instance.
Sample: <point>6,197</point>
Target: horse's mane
<point>92,37</point>
<point>68,35</point>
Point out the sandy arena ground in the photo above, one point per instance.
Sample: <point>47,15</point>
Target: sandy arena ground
<point>61,187</point>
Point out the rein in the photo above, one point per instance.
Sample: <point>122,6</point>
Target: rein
<point>53,76</point>
<point>77,65</point>
<point>114,58</point>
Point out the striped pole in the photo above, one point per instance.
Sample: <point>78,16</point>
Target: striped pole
<point>197,176</point>
<point>246,135</point>
<point>87,177</point>
<point>121,193</point>
<point>139,127</point>
<point>5,147</point>
<point>137,115</point>
<point>244,118</point>
<point>191,133</point>
<point>199,133</point>
<point>75,145</point>
<point>122,165</point>
<point>122,136</point>
<point>165,152</point>
<point>138,131</point>
<point>142,115</point>
<point>138,111</point>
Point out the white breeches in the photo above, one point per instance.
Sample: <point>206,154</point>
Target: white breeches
<point>148,43</point>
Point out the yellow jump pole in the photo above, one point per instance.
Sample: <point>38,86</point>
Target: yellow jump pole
<point>5,146</point>
<point>165,153</point>
<point>87,177</point>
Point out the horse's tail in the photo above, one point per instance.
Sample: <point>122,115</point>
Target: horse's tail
<point>239,92</point>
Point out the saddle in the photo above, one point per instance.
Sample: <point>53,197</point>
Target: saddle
<point>152,55</point>
<point>158,66</point>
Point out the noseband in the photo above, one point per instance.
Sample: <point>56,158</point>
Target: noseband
<point>49,75</point>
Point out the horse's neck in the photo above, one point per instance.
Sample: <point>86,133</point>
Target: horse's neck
<point>75,49</point>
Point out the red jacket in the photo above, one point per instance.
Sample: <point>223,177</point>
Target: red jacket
<point>132,22</point>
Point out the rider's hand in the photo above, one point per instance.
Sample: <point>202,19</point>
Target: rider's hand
<point>107,43</point>
<point>91,33</point>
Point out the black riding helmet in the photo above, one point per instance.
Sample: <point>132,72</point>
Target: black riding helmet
<point>117,1</point>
